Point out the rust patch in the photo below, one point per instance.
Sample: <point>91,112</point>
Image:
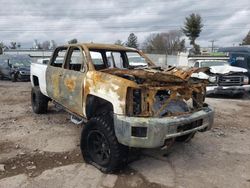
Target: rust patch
<point>70,83</point>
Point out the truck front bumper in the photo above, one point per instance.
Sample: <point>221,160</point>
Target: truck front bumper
<point>228,90</point>
<point>146,132</point>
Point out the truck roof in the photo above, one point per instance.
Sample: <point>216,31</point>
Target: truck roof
<point>235,49</point>
<point>105,46</point>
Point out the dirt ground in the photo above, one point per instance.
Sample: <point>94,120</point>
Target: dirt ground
<point>43,150</point>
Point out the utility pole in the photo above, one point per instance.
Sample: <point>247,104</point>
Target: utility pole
<point>212,41</point>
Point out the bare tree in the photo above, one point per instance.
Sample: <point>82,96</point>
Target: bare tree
<point>13,45</point>
<point>37,45</point>
<point>72,41</point>
<point>164,43</point>
<point>18,45</point>
<point>246,40</point>
<point>52,44</point>
<point>1,47</point>
<point>45,45</point>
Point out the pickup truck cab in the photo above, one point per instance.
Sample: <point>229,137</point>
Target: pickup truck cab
<point>122,104</point>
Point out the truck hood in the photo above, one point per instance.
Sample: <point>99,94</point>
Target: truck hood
<point>157,74</point>
<point>24,69</point>
<point>225,69</point>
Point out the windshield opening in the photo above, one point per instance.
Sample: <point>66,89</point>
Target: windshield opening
<point>103,59</point>
<point>20,61</point>
<point>213,63</point>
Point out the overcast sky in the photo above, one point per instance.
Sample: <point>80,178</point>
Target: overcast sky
<point>226,21</point>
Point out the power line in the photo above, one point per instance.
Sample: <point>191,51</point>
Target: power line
<point>212,41</point>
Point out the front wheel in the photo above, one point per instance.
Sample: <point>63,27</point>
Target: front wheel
<point>39,101</point>
<point>100,147</point>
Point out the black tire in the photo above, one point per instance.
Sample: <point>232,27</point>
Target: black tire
<point>100,147</point>
<point>13,78</point>
<point>39,101</point>
<point>185,138</point>
<point>238,95</point>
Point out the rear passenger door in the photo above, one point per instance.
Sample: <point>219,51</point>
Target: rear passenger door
<point>54,74</point>
<point>72,82</point>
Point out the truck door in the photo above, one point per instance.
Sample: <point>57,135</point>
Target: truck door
<point>54,74</point>
<point>72,82</point>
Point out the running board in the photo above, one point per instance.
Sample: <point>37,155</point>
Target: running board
<point>76,120</point>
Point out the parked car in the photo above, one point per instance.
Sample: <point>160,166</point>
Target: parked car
<point>15,67</point>
<point>227,79</point>
<point>122,104</point>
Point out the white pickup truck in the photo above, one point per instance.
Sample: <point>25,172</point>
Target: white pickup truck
<point>227,79</point>
<point>122,101</point>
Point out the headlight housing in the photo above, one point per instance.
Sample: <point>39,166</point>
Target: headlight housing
<point>245,80</point>
<point>133,102</point>
<point>212,79</point>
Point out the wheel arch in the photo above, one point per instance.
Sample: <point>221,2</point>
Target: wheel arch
<point>35,80</point>
<point>96,106</point>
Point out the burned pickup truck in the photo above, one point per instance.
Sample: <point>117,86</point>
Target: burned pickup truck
<point>122,99</point>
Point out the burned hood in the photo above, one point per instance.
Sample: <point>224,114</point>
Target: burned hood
<point>225,69</point>
<point>158,74</point>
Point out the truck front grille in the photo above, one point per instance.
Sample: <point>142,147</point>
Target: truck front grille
<point>230,80</point>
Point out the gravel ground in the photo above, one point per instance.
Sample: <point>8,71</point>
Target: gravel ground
<point>43,150</point>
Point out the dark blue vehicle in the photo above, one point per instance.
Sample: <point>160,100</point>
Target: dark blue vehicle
<point>15,67</point>
<point>239,57</point>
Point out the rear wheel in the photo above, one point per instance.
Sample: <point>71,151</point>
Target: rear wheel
<point>100,147</point>
<point>39,101</point>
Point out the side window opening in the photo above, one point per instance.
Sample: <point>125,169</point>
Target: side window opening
<point>117,59</point>
<point>136,60</point>
<point>98,60</point>
<point>107,59</point>
<point>58,57</point>
<point>74,60</point>
<point>196,64</point>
